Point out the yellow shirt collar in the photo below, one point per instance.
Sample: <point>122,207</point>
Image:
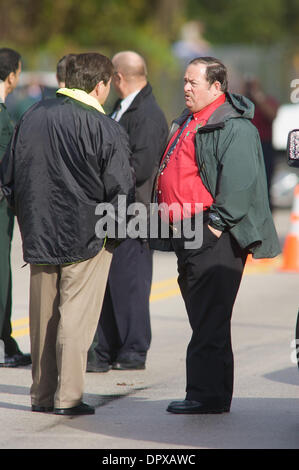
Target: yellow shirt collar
<point>82,96</point>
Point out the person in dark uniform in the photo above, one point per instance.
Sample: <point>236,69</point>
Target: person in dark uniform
<point>124,330</point>
<point>10,69</point>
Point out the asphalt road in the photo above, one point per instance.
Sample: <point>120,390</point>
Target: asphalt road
<point>131,406</point>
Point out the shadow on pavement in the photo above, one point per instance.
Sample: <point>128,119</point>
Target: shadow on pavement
<point>287,376</point>
<point>14,389</point>
<point>253,423</point>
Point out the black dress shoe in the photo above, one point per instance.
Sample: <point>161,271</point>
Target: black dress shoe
<point>23,359</point>
<point>82,409</point>
<point>195,407</point>
<point>129,365</point>
<point>16,360</point>
<point>96,365</point>
<point>42,409</point>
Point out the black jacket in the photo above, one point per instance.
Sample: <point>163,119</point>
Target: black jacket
<point>64,159</point>
<point>147,128</point>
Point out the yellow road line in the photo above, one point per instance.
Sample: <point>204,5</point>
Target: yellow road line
<point>16,324</point>
<point>164,295</point>
<point>20,322</point>
<point>21,332</point>
<point>165,283</point>
<point>168,288</point>
<point>262,266</point>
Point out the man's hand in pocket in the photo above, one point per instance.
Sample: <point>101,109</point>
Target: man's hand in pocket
<point>216,232</point>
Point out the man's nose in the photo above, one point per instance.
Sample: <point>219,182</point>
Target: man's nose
<point>187,86</point>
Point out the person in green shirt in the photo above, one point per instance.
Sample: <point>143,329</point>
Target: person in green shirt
<point>10,69</point>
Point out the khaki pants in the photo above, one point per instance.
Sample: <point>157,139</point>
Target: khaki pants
<point>65,305</point>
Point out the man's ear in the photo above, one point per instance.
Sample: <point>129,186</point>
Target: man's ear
<point>10,78</point>
<point>118,76</point>
<point>217,86</point>
<point>98,88</point>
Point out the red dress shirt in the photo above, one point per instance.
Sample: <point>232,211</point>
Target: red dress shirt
<point>180,181</point>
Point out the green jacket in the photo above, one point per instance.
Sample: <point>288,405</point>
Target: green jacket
<point>6,129</point>
<point>231,165</point>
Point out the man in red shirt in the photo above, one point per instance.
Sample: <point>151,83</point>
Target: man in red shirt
<point>212,168</point>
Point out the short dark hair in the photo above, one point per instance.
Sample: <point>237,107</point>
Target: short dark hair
<point>216,70</point>
<point>61,67</point>
<point>84,71</point>
<point>9,62</point>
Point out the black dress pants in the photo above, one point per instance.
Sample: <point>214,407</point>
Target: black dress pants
<point>209,279</point>
<point>124,329</point>
<point>6,234</point>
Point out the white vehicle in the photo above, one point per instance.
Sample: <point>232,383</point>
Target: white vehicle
<point>285,177</point>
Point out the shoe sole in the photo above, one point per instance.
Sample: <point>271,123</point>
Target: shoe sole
<point>91,369</point>
<point>194,412</point>
<point>67,413</point>
<point>123,367</point>
<point>79,410</point>
<point>8,365</point>
<point>40,409</point>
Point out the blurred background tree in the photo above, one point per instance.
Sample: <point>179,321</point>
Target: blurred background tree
<point>260,35</point>
<point>254,22</point>
<point>57,25</point>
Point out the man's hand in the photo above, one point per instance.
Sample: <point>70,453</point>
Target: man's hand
<point>215,231</point>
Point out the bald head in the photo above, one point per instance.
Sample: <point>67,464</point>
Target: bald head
<point>130,64</point>
<point>130,72</point>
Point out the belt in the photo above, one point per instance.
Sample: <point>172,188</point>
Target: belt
<point>205,218</point>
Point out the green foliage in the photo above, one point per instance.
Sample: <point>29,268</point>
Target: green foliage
<point>61,26</point>
<point>57,27</point>
<point>239,21</point>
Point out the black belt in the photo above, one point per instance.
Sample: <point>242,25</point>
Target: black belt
<point>205,218</point>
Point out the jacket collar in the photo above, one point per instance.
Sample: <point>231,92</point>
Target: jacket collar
<point>235,106</point>
<point>145,91</point>
<point>81,96</point>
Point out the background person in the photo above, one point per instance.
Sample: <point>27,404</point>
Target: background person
<point>124,331</point>
<point>77,159</point>
<point>265,111</point>
<point>10,69</point>
<point>61,70</point>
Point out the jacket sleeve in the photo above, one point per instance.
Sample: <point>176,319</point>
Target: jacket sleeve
<point>7,171</point>
<point>118,179</point>
<point>239,151</point>
<point>146,141</point>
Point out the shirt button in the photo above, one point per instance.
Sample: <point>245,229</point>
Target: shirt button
<point>160,192</point>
